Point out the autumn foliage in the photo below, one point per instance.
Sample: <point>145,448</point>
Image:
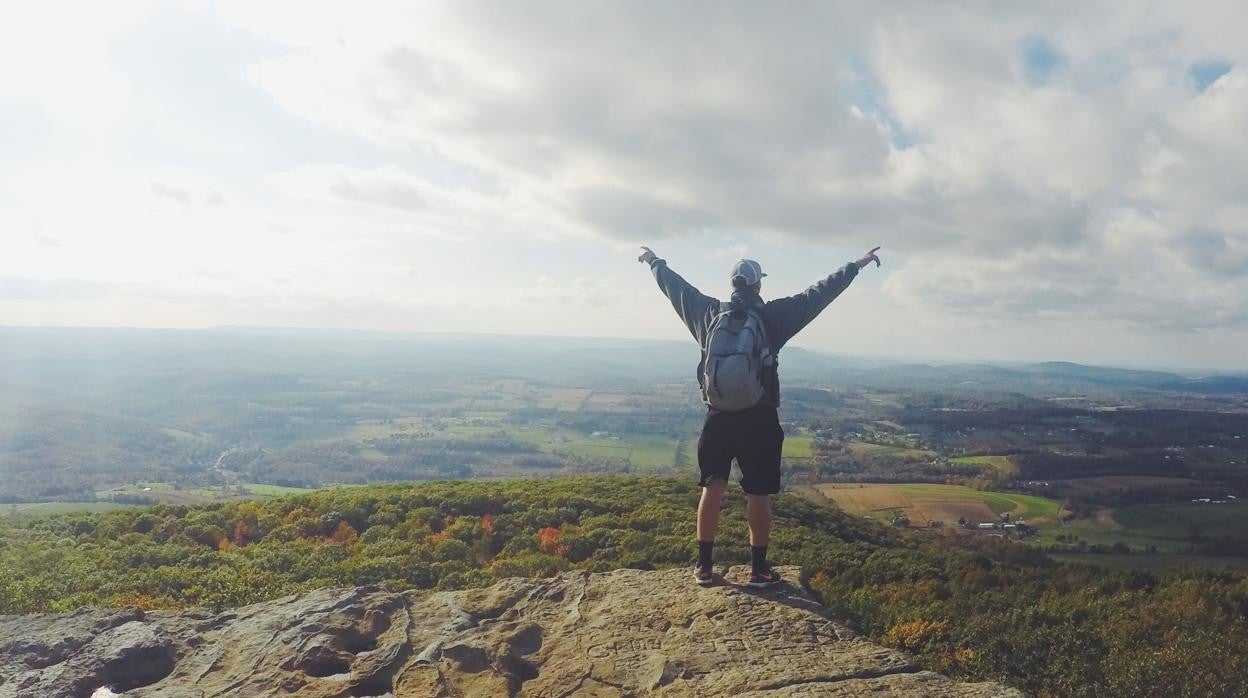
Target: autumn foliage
<point>982,611</point>
<point>548,540</point>
<point>343,534</point>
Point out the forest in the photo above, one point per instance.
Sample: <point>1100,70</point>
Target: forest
<point>970,607</point>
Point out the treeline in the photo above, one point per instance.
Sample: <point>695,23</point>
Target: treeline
<point>62,455</point>
<point>1189,428</point>
<point>979,608</point>
<point>1055,466</point>
<point>396,457</point>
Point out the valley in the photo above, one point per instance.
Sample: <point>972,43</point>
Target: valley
<point>1101,460</point>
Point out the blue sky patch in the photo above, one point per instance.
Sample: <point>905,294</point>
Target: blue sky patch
<point>1205,74</point>
<point>1040,60</point>
<point>865,92</point>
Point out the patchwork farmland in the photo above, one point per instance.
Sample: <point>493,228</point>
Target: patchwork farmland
<point>925,503</point>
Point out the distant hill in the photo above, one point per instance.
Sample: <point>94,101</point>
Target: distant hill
<point>85,361</point>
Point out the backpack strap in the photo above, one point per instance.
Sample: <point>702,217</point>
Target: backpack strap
<point>756,311</point>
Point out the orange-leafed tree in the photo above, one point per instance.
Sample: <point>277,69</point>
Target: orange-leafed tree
<point>549,540</point>
<point>343,534</point>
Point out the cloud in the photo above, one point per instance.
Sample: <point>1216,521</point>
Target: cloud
<point>171,192</point>
<point>392,196</point>
<point>1022,166</point>
<point>1011,143</point>
<point>27,288</point>
<point>58,64</point>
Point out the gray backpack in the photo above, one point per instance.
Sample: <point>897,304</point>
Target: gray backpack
<point>736,356</point>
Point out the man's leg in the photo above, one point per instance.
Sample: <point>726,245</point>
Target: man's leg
<point>760,478</point>
<point>758,513</point>
<point>714,465</point>
<point>708,509</point>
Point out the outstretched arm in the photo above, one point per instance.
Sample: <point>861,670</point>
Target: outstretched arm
<point>789,315</point>
<point>693,307</point>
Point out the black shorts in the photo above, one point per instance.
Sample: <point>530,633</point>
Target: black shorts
<point>753,438</point>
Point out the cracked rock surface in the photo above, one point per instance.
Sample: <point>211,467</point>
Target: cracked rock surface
<point>622,633</point>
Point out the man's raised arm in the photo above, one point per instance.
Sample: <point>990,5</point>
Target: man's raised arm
<point>691,305</point>
<point>789,315</point>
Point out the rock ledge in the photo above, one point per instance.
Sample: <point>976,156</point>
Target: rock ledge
<point>623,633</point>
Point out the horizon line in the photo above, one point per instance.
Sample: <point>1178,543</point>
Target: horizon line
<point>885,358</point>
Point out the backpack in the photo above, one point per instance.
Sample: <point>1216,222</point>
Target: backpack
<point>736,356</point>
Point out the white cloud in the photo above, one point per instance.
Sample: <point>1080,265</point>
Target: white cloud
<point>52,54</point>
<point>1090,194</point>
<point>1104,187</point>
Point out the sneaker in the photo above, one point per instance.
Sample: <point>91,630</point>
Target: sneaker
<point>765,579</point>
<point>703,577</point>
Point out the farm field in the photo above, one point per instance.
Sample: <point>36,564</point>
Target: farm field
<point>862,448</point>
<point>647,451</point>
<point>923,503</point>
<point>164,492</point>
<point>563,399</point>
<point>1169,528</point>
<point>1151,563</point>
<point>48,508</point>
<point>1181,521</point>
<point>800,445</point>
<point>1002,464</point>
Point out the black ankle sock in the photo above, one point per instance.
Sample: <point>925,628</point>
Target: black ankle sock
<point>705,554</point>
<point>758,557</point>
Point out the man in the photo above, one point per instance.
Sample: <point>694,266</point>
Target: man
<point>742,429</point>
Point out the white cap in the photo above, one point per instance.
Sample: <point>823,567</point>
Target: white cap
<point>747,269</point>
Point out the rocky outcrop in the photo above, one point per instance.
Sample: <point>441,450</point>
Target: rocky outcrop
<point>622,633</point>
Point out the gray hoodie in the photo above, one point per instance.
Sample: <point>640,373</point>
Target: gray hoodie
<point>782,317</point>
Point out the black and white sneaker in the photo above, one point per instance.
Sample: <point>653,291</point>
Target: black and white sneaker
<point>703,577</point>
<point>764,579</point>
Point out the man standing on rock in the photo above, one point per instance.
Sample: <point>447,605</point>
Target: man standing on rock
<point>741,389</point>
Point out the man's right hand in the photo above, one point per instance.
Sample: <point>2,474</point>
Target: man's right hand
<point>869,258</point>
<point>647,255</point>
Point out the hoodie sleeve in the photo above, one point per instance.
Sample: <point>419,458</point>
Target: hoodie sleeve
<point>789,315</point>
<point>694,308</point>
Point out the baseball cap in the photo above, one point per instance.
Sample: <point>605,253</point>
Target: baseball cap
<point>747,269</point>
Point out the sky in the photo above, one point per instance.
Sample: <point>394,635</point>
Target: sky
<point>1047,181</point>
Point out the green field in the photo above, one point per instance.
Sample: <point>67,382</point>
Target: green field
<point>1002,464</point>
<point>1151,563</point>
<point>165,492</point>
<point>48,508</point>
<point>276,490</point>
<point>1167,527</point>
<point>646,451</point>
<point>870,450</point>
<point>1179,522</point>
<point>799,446</point>
<point>930,502</point>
